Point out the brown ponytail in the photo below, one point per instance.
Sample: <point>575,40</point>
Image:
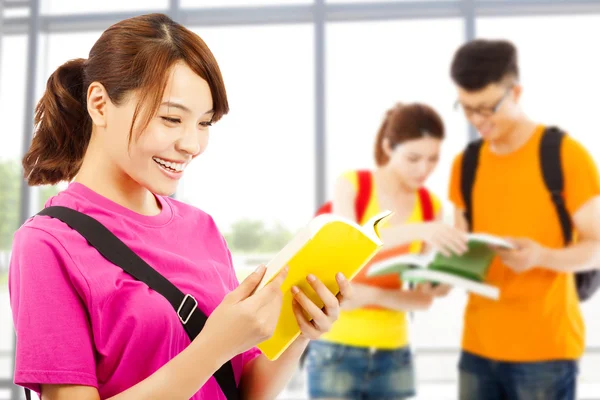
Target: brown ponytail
<point>133,54</point>
<point>405,122</point>
<point>62,127</point>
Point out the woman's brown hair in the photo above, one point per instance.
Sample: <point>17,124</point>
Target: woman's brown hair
<point>134,54</point>
<point>405,122</point>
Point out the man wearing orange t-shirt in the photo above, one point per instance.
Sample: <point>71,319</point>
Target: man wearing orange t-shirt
<point>527,344</point>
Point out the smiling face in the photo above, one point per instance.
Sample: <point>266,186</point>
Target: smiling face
<point>493,110</point>
<point>156,157</point>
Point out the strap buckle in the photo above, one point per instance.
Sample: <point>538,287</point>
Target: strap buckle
<point>187,318</point>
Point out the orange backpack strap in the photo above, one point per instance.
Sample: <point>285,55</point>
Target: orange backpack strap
<point>426,205</point>
<point>363,195</point>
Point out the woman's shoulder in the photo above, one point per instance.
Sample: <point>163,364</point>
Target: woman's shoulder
<point>352,176</point>
<point>189,219</point>
<point>41,230</point>
<point>41,253</point>
<point>188,211</point>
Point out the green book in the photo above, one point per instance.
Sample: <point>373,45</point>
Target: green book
<point>467,271</point>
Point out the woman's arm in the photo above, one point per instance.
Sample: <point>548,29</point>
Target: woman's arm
<point>344,197</point>
<point>436,233</point>
<point>393,299</point>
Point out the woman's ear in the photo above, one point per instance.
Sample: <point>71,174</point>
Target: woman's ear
<point>97,99</point>
<point>387,147</point>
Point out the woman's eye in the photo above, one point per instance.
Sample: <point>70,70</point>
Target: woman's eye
<point>171,120</point>
<point>206,124</point>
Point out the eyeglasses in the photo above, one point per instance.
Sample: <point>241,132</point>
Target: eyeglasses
<point>482,111</point>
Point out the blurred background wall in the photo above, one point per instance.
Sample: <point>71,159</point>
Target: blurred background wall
<point>309,82</point>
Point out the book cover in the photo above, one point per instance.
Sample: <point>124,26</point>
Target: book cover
<point>327,245</point>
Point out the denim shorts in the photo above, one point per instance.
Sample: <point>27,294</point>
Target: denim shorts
<point>485,379</point>
<point>357,373</point>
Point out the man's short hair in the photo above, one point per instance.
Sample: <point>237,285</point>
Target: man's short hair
<point>480,62</point>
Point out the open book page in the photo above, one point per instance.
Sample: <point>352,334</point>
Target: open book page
<point>400,263</point>
<point>369,228</point>
<point>491,240</point>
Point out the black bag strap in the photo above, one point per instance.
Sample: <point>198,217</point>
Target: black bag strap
<point>470,161</point>
<point>553,177</point>
<point>117,252</point>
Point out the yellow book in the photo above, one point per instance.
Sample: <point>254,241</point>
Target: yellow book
<point>327,245</point>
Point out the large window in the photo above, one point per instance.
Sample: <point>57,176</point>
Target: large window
<point>257,176</point>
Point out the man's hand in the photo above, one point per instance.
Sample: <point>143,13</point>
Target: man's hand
<point>528,254</point>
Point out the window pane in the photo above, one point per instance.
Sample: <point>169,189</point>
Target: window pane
<point>54,7</point>
<point>58,49</point>
<point>365,80</point>
<point>233,3</point>
<point>376,1</point>
<point>12,100</point>
<point>257,176</point>
<point>561,83</point>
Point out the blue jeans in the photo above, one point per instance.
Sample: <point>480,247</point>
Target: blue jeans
<point>485,379</point>
<point>357,373</point>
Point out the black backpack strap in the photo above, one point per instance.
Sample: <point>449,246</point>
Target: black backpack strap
<point>553,177</point>
<point>469,165</point>
<point>117,252</point>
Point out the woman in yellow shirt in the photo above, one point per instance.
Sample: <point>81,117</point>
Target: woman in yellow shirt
<point>366,354</point>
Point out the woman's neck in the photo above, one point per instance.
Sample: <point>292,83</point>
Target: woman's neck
<point>391,183</point>
<point>114,184</point>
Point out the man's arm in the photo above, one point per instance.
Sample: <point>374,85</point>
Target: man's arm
<point>585,254</point>
<point>460,222</point>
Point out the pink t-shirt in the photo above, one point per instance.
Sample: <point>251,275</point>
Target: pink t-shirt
<point>80,319</point>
